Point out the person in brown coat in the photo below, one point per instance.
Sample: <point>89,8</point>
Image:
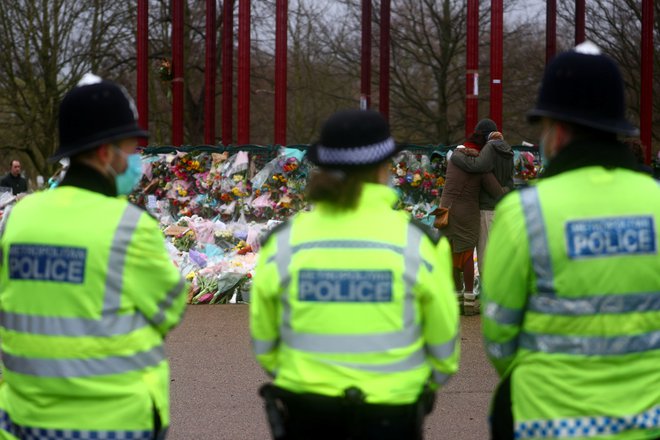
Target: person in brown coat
<point>461,196</point>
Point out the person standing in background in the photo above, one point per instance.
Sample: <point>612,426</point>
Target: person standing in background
<point>14,180</point>
<point>496,156</point>
<point>571,284</point>
<point>461,194</point>
<point>353,311</point>
<point>87,300</point>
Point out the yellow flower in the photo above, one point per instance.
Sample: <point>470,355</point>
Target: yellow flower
<point>190,276</point>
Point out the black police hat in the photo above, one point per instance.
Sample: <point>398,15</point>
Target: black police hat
<point>584,87</point>
<point>353,138</point>
<point>95,112</point>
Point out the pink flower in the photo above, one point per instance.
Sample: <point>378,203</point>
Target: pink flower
<point>205,298</point>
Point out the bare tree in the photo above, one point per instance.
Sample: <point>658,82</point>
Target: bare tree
<point>45,47</point>
<point>615,26</point>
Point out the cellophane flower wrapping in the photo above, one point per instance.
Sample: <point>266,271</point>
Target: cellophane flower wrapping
<point>216,208</point>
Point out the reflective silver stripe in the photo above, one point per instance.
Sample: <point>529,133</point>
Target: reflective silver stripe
<point>504,315</point>
<point>282,260</point>
<point>68,367</point>
<point>442,351</point>
<point>589,426</point>
<point>117,260</point>
<point>284,254</point>
<point>28,432</point>
<point>362,343</point>
<point>415,360</point>
<point>109,325</point>
<point>349,343</point>
<point>412,262</point>
<point>440,378</point>
<point>591,346</point>
<point>538,240</point>
<point>167,302</point>
<point>596,305</point>
<point>351,244</point>
<point>502,350</point>
<point>347,244</point>
<point>263,347</point>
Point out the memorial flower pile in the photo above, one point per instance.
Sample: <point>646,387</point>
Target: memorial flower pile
<point>215,207</point>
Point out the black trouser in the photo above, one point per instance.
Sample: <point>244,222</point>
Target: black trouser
<point>501,419</point>
<point>318,417</point>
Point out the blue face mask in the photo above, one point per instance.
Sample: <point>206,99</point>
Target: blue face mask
<point>545,160</point>
<point>127,180</point>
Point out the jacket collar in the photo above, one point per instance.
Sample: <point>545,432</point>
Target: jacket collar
<point>86,177</point>
<point>607,154</point>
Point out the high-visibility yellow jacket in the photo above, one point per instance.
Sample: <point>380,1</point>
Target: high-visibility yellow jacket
<point>355,298</point>
<point>571,293</point>
<point>87,294</point>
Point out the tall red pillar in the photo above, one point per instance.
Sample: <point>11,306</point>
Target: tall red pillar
<point>496,60</point>
<point>209,74</point>
<point>580,12</point>
<point>227,71</point>
<point>281,48</point>
<point>243,136</point>
<point>365,77</point>
<point>177,72</point>
<point>142,54</point>
<point>550,30</point>
<point>472,66</point>
<point>384,85</point>
<point>646,99</point>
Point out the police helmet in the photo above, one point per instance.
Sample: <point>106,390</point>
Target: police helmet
<point>95,112</point>
<point>353,138</point>
<point>584,87</point>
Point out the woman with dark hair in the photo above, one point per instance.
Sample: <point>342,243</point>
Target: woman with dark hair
<point>352,308</point>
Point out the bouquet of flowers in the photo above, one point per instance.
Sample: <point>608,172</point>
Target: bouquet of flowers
<point>415,178</point>
<point>526,167</point>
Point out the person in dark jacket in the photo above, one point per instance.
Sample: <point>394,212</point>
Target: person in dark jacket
<point>14,180</point>
<point>461,196</point>
<point>497,157</point>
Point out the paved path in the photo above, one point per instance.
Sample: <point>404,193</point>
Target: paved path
<point>215,381</point>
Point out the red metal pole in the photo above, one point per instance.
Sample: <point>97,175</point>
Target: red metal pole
<point>385,25</point>
<point>243,72</point>
<point>209,74</point>
<point>580,12</point>
<point>281,24</point>
<point>550,30</point>
<point>365,80</point>
<point>227,71</point>
<point>646,101</point>
<point>143,65</point>
<point>177,71</point>
<point>496,60</point>
<point>472,65</point>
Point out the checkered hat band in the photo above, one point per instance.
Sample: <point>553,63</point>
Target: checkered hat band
<point>362,155</point>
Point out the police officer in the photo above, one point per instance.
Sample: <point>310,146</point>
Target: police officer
<point>353,310</point>
<point>87,290</point>
<point>572,304</point>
